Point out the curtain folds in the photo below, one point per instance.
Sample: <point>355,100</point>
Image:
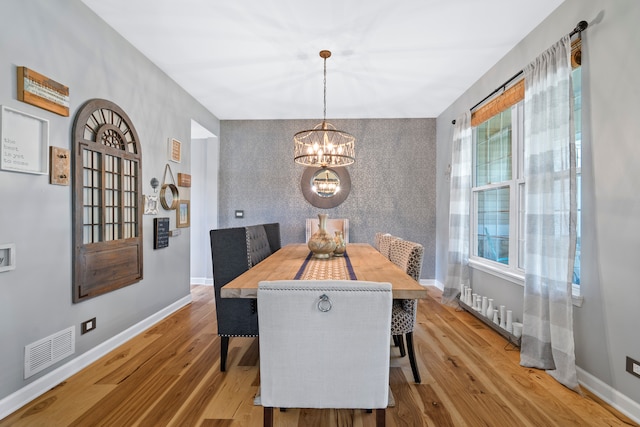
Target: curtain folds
<point>460,193</point>
<point>550,224</point>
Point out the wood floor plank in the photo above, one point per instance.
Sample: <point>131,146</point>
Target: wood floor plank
<point>170,376</point>
<point>435,410</point>
<point>173,400</point>
<point>408,408</point>
<point>251,356</point>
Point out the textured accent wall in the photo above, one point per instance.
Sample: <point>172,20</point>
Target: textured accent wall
<point>393,181</point>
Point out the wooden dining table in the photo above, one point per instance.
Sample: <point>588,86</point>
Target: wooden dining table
<point>362,262</point>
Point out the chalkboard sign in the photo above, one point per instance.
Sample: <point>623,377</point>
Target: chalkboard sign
<point>160,233</point>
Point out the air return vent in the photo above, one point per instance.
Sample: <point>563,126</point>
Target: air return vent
<point>44,353</point>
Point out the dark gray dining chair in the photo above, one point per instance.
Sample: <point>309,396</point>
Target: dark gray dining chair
<point>234,251</point>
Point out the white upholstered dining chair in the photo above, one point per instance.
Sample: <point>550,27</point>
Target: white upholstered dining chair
<point>332,225</point>
<point>324,344</point>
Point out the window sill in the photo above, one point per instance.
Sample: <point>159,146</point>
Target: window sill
<point>497,270</point>
<point>516,277</point>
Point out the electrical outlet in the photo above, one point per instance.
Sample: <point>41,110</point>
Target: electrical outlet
<point>633,367</point>
<point>87,326</point>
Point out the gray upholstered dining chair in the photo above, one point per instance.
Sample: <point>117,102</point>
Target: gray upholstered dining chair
<point>324,344</point>
<point>408,256</point>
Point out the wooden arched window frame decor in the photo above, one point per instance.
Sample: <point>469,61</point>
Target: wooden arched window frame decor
<point>107,200</point>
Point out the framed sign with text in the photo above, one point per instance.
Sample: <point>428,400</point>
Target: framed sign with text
<point>43,92</point>
<point>24,142</point>
<point>175,150</point>
<point>160,233</point>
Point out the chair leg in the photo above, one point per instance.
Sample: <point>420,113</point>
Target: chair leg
<point>224,348</point>
<point>268,417</point>
<point>400,344</point>
<point>412,358</point>
<point>381,418</point>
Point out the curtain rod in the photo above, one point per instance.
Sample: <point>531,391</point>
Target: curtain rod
<point>581,26</point>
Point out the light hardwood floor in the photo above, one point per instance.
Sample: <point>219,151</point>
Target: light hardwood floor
<point>170,376</point>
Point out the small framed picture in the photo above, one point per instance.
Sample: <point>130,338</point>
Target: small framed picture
<point>175,150</point>
<point>151,205</point>
<point>183,214</point>
<point>7,257</point>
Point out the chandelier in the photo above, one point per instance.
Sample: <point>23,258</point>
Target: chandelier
<point>324,145</point>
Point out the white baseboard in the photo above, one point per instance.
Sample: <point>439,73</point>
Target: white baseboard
<point>432,282</point>
<point>611,396</point>
<point>26,394</point>
<point>201,281</point>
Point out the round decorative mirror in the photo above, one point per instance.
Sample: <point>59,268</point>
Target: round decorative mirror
<point>325,187</point>
<point>325,183</point>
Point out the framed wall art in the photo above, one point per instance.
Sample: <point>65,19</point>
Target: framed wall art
<point>183,214</point>
<point>24,142</point>
<point>7,257</point>
<point>175,150</point>
<point>160,233</point>
<point>151,204</point>
<point>41,91</point>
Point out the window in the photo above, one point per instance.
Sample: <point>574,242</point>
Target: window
<point>497,195</point>
<point>107,201</point>
<point>497,184</point>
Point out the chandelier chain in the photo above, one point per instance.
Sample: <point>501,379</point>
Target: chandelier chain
<point>324,82</point>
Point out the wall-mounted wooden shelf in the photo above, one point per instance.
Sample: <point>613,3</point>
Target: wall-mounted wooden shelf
<point>506,334</point>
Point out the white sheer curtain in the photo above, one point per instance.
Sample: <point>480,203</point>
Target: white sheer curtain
<point>460,190</point>
<point>550,204</point>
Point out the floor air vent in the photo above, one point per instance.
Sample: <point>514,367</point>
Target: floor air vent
<point>44,353</point>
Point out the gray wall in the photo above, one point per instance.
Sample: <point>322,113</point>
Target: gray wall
<point>204,206</point>
<point>606,326</point>
<point>392,181</point>
<point>65,41</point>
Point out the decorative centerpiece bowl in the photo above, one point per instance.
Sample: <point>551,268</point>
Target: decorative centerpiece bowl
<point>321,243</point>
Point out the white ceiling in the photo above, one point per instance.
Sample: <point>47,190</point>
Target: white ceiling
<point>258,59</point>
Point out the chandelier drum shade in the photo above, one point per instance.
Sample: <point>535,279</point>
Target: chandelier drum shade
<point>324,145</point>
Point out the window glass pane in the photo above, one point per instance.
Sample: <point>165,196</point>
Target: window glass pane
<point>577,102</point>
<point>493,150</point>
<point>493,224</point>
<point>521,229</point>
<point>88,218</point>
<point>86,234</point>
<point>577,117</point>
<point>576,265</point>
<point>108,232</point>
